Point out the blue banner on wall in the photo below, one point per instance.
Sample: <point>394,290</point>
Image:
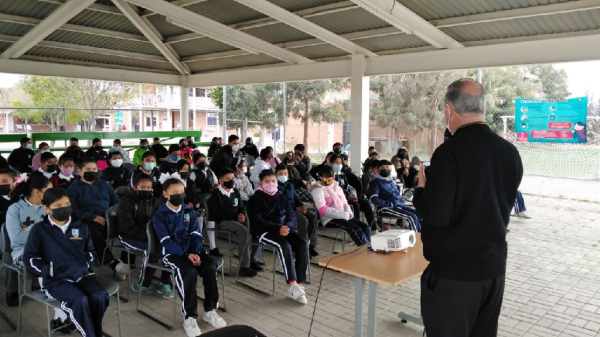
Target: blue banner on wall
<point>551,120</point>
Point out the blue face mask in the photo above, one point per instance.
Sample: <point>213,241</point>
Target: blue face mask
<point>337,168</point>
<point>282,179</point>
<point>148,166</point>
<point>114,149</point>
<point>144,147</point>
<point>174,158</point>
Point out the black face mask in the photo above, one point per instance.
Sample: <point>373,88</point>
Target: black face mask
<point>4,189</point>
<point>62,213</point>
<point>337,150</point>
<point>90,176</point>
<point>248,143</point>
<point>51,168</point>
<point>73,147</point>
<point>228,184</point>
<point>144,195</point>
<point>384,173</point>
<point>98,147</point>
<point>183,146</point>
<point>202,165</point>
<point>177,199</point>
<point>184,175</point>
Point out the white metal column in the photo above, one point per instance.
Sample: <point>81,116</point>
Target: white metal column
<point>184,112</point>
<point>359,122</point>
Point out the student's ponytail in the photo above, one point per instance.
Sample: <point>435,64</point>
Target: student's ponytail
<point>25,184</point>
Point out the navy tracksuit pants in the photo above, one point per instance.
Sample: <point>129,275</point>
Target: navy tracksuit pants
<point>85,302</point>
<point>285,245</point>
<point>405,213</point>
<point>142,246</point>
<point>359,231</point>
<point>186,276</point>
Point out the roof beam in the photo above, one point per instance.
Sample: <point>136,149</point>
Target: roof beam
<point>407,21</point>
<point>306,26</point>
<point>78,71</point>
<point>93,7</point>
<point>180,3</point>
<point>22,20</point>
<point>58,18</point>
<point>91,64</point>
<point>151,35</point>
<point>218,31</point>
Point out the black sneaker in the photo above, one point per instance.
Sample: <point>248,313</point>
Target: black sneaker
<point>255,266</point>
<point>312,252</point>
<point>215,252</point>
<point>247,272</point>
<point>58,325</point>
<point>12,299</point>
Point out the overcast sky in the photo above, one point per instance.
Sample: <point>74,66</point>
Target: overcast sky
<point>583,78</point>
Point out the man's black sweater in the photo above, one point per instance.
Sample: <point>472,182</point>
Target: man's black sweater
<point>20,159</point>
<point>471,187</point>
<point>223,208</point>
<point>133,214</point>
<point>160,151</point>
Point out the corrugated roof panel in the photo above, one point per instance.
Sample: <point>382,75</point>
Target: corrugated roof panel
<point>29,8</point>
<point>14,29</point>
<point>349,21</point>
<point>320,51</point>
<point>391,42</point>
<point>164,28</point>
<point>225,11</point>
<point>442,9</point>
<point>102,20</point>
<point>298,5</point>
<point>99,58</point>
<point>278,33</point>
<point>232,63</point>
<point>540,25</point>
<point>103,42</point>
<point>4,46</point>
<point>200,46</point>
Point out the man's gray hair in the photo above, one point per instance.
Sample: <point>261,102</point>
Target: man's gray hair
<point>466,100</point>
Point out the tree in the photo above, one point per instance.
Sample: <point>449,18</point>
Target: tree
<point>553,81</point>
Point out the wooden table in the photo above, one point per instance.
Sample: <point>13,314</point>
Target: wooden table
<point>390,269</point>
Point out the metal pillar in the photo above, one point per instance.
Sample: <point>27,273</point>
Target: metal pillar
<point>359,139</point>
<point>284,122</point>
<point>184,111</point>
<point>224,114</point>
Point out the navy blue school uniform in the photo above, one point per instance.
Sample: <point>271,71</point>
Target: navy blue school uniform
<point>116,176</point>
<point>64,261</point>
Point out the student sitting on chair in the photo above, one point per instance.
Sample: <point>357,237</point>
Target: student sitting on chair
<point>262,163</point>
<point>274,223</point>
<point>191,198</point>
<point>65,177</point>
<point>227,212</point>
<point>139,152</point>
<point>36,161</point>
<point>169,165</point>
<point>148,166</point>
<point>116,174</point>
<point>97,152</point>
<point>133,213</point>
<point>335,212</point>
<point>48,166</point>
<point>385,194</point>
<point>74,151</point>
<point>178,231</point>
<point>60,250</point>
<point>242,183</point>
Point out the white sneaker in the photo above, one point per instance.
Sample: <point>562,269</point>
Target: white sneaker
<point>121,271</point>
<point>191,327</point>
<point>214,319</point>
<point>523,215</point>
<point>296,292</point>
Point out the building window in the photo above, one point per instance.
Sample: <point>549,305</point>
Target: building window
<point>200,92</point>
<point>150,122</point>
<point>211,119</point>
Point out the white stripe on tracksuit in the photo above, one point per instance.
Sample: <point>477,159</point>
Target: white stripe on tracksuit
<point>144,261</point>
<point>178,282</point>
<point>394,213</point>
<point>281,257</point>
<point>63,306</point>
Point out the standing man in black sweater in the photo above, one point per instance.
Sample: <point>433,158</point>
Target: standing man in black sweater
<point>465,199</point>
<point>21,158</point>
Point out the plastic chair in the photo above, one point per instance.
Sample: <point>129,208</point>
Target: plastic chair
<point>337,231</point>
<point>129,167</point>
<point>218,231</point>
<point>7,262</point>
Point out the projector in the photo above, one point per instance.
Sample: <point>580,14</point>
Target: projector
<point>393,240</point>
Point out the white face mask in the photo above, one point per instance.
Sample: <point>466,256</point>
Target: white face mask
<point>44,151</point>
<point>244,169</point>
<point>116,162</point>
<point>29,146</point>
<point>235,148</point>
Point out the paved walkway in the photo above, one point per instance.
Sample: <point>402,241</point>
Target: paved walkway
<point>552,289</point>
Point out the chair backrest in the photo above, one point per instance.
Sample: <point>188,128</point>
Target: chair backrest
<point>152,239</point>
<point>249,160</point>
<point>129,167</point>
<point>206,203</point>
<point>111,222</point>
<point>6,249</point>
<point>122,190</point>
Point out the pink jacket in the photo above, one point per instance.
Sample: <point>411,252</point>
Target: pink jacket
<point>36,162</point>
<point>326,205</point>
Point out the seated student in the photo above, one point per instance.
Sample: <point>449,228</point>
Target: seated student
<point>65,177</point>
<point>241,181</point>
<point>7,183</point>
<point>315,170</point>
<point>134,212</point>
<point>302,161</point>
<point>250,148</point>
<point>90,198</point>
<point>169,165</point>
<point>20,159</point>
<point>115,173</point>
<point>191,198</point>
<point>273,159</point>
<point>117,148</point>
<point>274,223</point>
<point>178,231</point>
<point>60,251</point>
<point>36,162</point>
<point>261,164</point>
<point>139,152</point>
<point>385,194</point>
<point>190,142</point>
<point>204,177</point>
<point>227,212</point>
<point>148,166</point>
<point>74,151</point>
<point>305,219</point>
<point>159,150</point>
<point>185,152</point>
<point>367,163</point>
<point>369,175</point>
<point>335,212</point>
<point>48,166</point>
<point>96,151</point>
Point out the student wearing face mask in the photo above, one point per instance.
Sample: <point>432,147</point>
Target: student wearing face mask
<point>333,207</point>
<point>116,174</point>
<point>190,142</point>
<point>191,198</point>
<point>178,231</point>
<point>21,159</point>
<point>65,176</point>
<point>36,162</point>
<point>241,181</point>
<point>139,152</point>
<point>48,166</point>
<point>274,223</point>
<point>7,183</point>
<point>185,152</point>
<point>97,152</point>
<point>204,177</point>
<point>169,165</point>
<point>385,194</point>
<point>74,151</point>
<point>148,166</point>
<point>273,159</point>
<point>250,148</point>
<point>315,170</point>
<point>133,213</point>
<point>261,164</point>
<point>159,150</point>
<point>227,154</point>
<point>337,148</point>
<point>59,250</point>
<point>117,147</point>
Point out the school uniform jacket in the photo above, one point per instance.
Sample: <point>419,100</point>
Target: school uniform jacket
<point>223,207</point>
<point>178,232</point>
<point>385,193</point>
<point>268,213</point>
<point>56,256</point>
<point>118,175</point>
<point>133,214</point>
<point>325,205</point>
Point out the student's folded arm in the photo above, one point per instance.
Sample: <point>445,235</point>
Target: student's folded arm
<point>89,250</point>
<point>257,217</point>
<point>32,255</point>
<point>159,221</point>
<point>290,217</point>
<point>374,198</point>
<point>13,226</point>
<point>195,234</point>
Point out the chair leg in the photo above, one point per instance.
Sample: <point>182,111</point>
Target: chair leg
<point>231,253</point>
<point>274,262</point>
<point>223,287</point>
<point>343,240</point>
<point>237,275</point>
<point>174,302</point>
<point>48,321</point>
<point>119,312</point>
<point>103,257</point>
<point>137,307</point>
<point>334,242</point>
<point>129,277</point>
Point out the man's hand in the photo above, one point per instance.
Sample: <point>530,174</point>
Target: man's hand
<point>306,184</point>
<point>100,220</point>
<point>352,198</point>
<point>421,176</point>
<point>197,206</point>
<point>241,217</point>
<point>191,204</point>
<point>195,259</point>
<point>297,158</point>
<point>284,231</point>
<point>301,209</point>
